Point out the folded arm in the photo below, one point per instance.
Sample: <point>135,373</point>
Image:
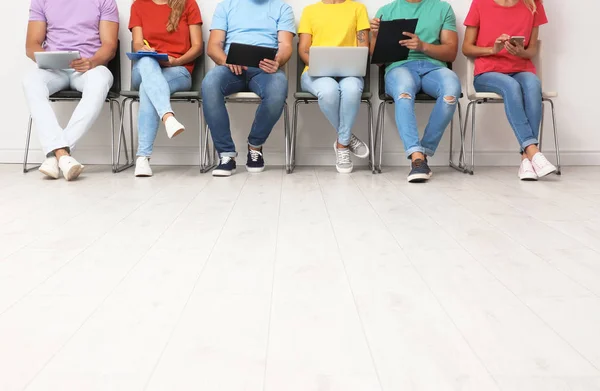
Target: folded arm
<point>36,35</point>
<point>304,47</point>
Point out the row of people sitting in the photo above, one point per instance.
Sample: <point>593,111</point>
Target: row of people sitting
<point>174,27</point>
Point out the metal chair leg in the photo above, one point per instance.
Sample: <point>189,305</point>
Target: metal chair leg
<point>541,130</point>
<point>473,111</point>
<point>371,137</point>
<point>380,130</point>
<point>556,144</point>
<point>286,131</point>
<point>460,166</point>
<point>294,132</point>
<point>111,102</point>
<point>123,140</point>
<point>27,142</point>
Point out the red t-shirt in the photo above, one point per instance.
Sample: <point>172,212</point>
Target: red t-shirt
<point>153,19</point>
<point>493,20</point>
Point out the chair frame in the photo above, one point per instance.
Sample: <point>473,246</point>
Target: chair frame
<point>112,99</point>
<point>207,161</point>
<point>290,139</point>
<point>476,98</point>
<point>388,100</point>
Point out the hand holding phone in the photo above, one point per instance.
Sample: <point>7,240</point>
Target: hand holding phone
<point>517,41</point>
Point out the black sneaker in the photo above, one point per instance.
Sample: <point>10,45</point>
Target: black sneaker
<point>420,171</point>
<point>255,162</point>
<point>226,167</point>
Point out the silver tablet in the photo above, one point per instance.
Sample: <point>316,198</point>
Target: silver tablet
<point>338,61</point>
<point>56,60</point>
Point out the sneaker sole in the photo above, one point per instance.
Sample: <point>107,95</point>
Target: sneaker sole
<point>74,173</point>
<point>344,170</point>
<point>418,178</point>
<point>546,172</point>
<point>255,169</point>
<point>48,174</point>
<point>177,133</point>
<point>529,178</point>
<point>362,156</point>
<point>143,175</point>
<point>222,173</point>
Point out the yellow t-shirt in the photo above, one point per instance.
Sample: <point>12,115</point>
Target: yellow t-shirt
<point>334,24</point>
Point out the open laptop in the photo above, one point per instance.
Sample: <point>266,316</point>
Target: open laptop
<point>338,61</point>
<point>56,60</point>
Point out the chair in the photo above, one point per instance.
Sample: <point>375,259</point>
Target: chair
<point>308,98</point>
<point>207,161</point>
<point>248,97</point>
<point>476,98</point>
<point>421,97</point>
<point>114,66</point>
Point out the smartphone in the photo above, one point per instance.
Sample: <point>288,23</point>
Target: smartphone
<point>517,41</point>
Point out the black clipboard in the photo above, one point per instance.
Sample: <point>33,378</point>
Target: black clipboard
<point>387,49</point>
<point>249,55</point>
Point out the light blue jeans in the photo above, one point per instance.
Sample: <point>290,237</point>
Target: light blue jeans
<point>522,94</point>
<point>155,85</point>
<point>339,100</point>
<point>403,83</point>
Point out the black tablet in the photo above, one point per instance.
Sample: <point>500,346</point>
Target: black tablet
<point>387,48</point>
<point>249,55</point>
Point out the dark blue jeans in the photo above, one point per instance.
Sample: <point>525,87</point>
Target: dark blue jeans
<point>221,82</point>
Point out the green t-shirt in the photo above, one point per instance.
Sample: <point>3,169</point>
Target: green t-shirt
<point>434,16</point>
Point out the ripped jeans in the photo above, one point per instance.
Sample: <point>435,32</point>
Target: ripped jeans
<point>403,83</point>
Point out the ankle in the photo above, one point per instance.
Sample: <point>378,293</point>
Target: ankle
<point>167,116</point>
<point>258,149</point>
<point>417,156</point>
<point>60,153</point>
<point>341,146</point>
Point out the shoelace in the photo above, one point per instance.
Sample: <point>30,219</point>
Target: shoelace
<point>254,155</point>
<point>225,160</point>
<point>541,160</point>
<point>354,143</point>
<point>343,156</point>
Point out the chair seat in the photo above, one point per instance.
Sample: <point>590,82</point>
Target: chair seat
<point>309,96</point>
<point>71,94</point>
<point>421,97</point>
<point>491,95</point>
<point>176,95</point>
<point>246,95</point>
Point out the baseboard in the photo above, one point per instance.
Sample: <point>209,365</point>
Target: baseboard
<point>304,156</point>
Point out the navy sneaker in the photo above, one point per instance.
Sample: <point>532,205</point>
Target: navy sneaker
<point>255,162</point>
<point>420,171</point>
<point>226,167</point>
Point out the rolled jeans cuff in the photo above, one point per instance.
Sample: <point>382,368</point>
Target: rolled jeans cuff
<point>255,146</point>
<point>429,152</point>
<point>531,141</point>
<point>413,150</point>
<point>228,154</point>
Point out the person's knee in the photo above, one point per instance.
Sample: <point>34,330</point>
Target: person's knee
<point>329,97</point>
<point>533,83</point>
<point>212,83</point>
<point>352,86</point>
<point>277,88</point>
<point>146,63</point>
<point>99,79</point>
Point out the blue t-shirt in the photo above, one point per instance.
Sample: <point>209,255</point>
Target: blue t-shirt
<point>253,22</point>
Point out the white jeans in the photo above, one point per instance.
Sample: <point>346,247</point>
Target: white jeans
<point>40,84</point>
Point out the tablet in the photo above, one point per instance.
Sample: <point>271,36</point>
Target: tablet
<point>157,56</point>
<point>56,60</point>
<point>249,55</point>
<point>387,48</point>
<point>338,61</point>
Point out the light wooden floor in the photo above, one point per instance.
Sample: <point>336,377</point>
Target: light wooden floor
<point>311,281</point>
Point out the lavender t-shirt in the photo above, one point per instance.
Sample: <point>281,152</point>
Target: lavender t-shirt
<point>73,24</point>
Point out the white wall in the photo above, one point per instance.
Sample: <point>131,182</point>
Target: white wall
<point>569,67</point>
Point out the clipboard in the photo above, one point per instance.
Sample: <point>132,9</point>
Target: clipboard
<point>387,49</point>
<point>249,55</point>
<point>154,55</point>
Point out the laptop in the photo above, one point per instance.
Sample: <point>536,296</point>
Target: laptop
<point>56,60</point>
<point>338,61</point>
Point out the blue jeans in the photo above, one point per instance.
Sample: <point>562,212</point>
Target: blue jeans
<point>403,83</point>
<point>522,94</point>
<point>339,100</point>
<point>221,82</point>
<point>155,85</point>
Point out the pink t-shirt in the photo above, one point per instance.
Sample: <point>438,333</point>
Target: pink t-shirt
<point>73,24</point>
<point>493,20</point>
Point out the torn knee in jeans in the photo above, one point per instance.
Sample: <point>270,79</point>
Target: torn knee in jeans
<point>405,95</point>
<point>451,100</point>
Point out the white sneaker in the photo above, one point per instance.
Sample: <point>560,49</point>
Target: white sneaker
<point>358,148</point>
<point>343,164</point>
<point>173,127</point>
<point>142,167</point>
<point>50,168</point>
<point>526,171</point>
<point>70,167</point>
<point>541,165</point>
